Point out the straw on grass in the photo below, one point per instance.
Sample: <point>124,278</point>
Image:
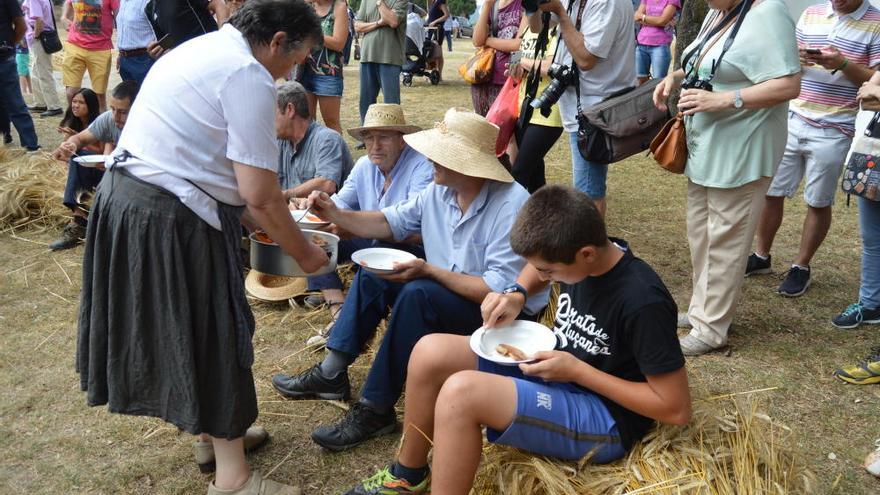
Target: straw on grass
<point>31,190</point>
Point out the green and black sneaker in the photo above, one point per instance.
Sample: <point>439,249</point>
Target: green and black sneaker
<point>385,483</point>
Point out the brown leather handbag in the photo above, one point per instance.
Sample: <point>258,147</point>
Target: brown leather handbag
<point>669,146</point>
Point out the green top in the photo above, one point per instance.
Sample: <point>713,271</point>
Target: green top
<point>729,148</point>
<point>323,61</point>
<point>384,45</point>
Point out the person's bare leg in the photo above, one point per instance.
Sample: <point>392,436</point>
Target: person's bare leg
<point>816,226</point>
<point>232,469</point>
<point>440,63</point>
<point>71,91</point>
<point>313,105</point>
<point>435,358</point>
<point>330,111</point>
<point>600,205</point>
<point>769,223</point>
<point>467,401</point>
<point>102,102</point>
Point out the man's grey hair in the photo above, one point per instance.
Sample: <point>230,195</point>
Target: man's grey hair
<point>293,93</point>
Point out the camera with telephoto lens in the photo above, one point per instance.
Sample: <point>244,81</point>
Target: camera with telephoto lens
<point>531,6</point>
<point>695,82</point>
<point>561,76</point>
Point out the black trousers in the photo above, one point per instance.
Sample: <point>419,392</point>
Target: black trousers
<point>534,143</point>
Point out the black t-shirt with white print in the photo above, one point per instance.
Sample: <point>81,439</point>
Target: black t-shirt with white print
<point>622,322</point>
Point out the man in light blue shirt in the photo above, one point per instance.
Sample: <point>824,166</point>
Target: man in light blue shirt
<point>389,173</point>
<point>464,218</point>
<point>134,33</point>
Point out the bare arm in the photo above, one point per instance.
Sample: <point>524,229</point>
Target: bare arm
<point>654,20</point>
<point>364,27</point>
<point>368,224</point>
<point>315,184</point>
<point>38,26</point>
<point>340,28</point>
<point>259,189</point>
<point>763,95</point>
<point>78,141</point>
<point>503,45</point>
<point>500,309</point>
<point>572,38</point>
<point>471,287</point>
<point>481,27</point>
<point>389,16</point>
<point>218,8</point>
<point>19,29</point>
<point>66,15</point>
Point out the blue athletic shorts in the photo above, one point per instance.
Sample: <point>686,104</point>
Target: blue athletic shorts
<point>322,85</point>
<point>556,419</point>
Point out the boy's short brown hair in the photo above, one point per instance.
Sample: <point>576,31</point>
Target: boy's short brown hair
<point>555,223</point>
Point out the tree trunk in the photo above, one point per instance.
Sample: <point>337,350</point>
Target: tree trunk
<point>692,14</point>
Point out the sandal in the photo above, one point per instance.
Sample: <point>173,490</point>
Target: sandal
<point>320,339</point>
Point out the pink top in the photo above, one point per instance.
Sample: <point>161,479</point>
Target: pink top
<point>656,35</point>
<point>33,10</point>
<point>92,24</point>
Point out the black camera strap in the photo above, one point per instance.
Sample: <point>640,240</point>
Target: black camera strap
<point>574,66</point>
<point>740,15</point>
<point>534,77</point>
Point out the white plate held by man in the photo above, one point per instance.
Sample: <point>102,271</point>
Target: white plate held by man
<point>90,161</point>
<point>526,336</point>
<point>308,220</point>
<point>380,260</point>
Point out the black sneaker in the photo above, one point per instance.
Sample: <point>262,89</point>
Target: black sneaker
<point>757,266</point>
<point>855,315</point>
<point>311,384</point>
<point>71,236</point>
<point>360,424</point>
<point>51,113</point>
<point>37,108</point>
<point>797,281</point>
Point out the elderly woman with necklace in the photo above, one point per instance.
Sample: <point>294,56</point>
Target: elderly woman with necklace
<point>164,327</point>
<point>735,102</point>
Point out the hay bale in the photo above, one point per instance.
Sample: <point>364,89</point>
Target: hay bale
<point>729,447</point>
<point>31,190</point>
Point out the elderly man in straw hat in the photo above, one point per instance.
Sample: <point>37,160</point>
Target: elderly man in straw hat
<point>464,218</point>
<point>390,172</point>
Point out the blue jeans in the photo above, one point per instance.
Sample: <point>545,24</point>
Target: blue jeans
<point>869,224</point>
<point>80,179</point>
<point>375,77</point>
<point>588,177</point>
<point>448,34</point>
<point>135,68</point>
<point>418,308</point>
<point>652,61</point>
<point>14,105</point>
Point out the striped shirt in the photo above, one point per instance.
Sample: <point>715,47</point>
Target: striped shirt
<point>826,99</point>
<point>132,26</point>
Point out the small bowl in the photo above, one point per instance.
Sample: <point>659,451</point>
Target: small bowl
<point>527,336</point>
<point>268,257</point>
<point>309,221</point>
<point>380,260</point>
<point>90,161</point>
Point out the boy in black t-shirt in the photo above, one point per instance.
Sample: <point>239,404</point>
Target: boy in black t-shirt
<point>617,367</point>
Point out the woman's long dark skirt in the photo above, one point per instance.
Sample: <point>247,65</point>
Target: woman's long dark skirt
<point>156,325</point>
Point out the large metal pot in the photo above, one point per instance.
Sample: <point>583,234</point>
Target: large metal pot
<point>270,258</point>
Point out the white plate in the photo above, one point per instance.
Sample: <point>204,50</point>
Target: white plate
<point>90,161</point>
<point>380,260</point>
<point>527,336</point>
<point>309,221</point>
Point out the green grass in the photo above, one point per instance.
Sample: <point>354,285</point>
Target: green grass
<point>51,442</point>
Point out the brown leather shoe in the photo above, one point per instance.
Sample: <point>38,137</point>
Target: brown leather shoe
<point>257,485</point>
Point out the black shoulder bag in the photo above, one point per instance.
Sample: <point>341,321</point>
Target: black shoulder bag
<point>49,39</point>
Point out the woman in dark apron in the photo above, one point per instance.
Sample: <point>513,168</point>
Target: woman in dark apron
<point>164,326</point>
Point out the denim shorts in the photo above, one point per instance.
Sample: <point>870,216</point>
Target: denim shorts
<point>815,155</point>
<point>322,85</point>
<point>556,419</point>
<point>652,61</point>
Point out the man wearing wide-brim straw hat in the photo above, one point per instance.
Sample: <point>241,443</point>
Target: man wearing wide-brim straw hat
<point>464,218</point>
<point>389,173</point>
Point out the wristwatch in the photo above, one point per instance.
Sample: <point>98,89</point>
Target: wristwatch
<point>515,287</point>
<point>737,100</point>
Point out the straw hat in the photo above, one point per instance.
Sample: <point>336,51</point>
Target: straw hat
<point>465,143</point>
<point>385,117</point>
<point>267,287</point>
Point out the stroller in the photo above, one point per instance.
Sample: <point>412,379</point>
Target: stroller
<point>418,58</point>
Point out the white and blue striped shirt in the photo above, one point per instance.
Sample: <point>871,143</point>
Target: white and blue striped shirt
<point>132,27</point>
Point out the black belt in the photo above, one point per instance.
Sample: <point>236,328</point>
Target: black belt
<point>133,52</point>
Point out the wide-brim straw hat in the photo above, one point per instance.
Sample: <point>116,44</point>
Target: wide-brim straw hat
<point>465,143</point>
<point>383,117</point>
<point>273,288</point>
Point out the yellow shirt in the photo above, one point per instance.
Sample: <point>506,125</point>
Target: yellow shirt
<point>527,47</point>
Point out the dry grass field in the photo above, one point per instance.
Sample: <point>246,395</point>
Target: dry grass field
<point>51,442</point>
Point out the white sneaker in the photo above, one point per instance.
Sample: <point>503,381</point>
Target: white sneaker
<point>872,462</point>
